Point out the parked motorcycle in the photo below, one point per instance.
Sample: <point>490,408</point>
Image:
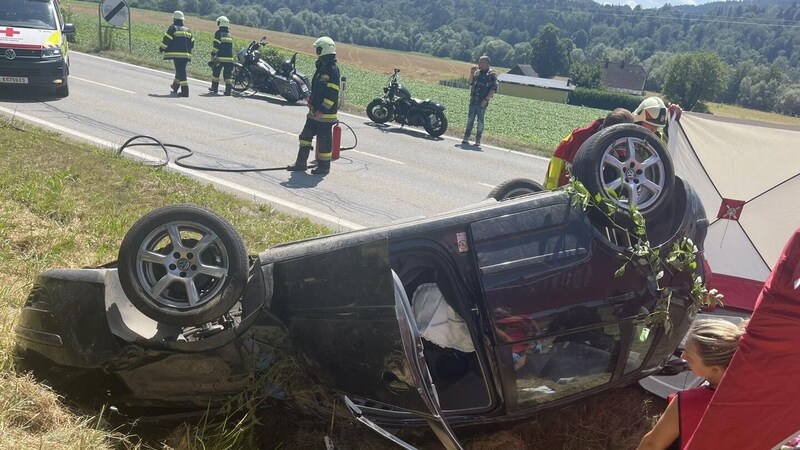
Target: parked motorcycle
<point>398,105</point>
<point>254,72</point>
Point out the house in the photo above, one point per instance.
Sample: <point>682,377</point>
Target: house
<point>534,87</point>
<point>622,77</point>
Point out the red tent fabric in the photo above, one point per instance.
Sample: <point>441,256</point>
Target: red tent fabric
<point>757,403</point>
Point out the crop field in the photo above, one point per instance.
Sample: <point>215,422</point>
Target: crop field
<point>522,124</point>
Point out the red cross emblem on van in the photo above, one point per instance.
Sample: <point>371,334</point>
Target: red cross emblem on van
<point>10,32</point>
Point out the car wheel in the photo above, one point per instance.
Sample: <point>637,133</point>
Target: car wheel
<point>241,79</point>
<point>379,111</point>
<point>436,124</point>
<point>63,91</point>
<point>183,265</point>
<point>516,187</point>
<point>630,161</point>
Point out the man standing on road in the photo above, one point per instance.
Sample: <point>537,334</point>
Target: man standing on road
<point>177,45</point>
<point>484,85</point>
<point>322,107</point>
<point>222,56</point>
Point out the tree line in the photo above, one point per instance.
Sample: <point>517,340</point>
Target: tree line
<point>755,44</point>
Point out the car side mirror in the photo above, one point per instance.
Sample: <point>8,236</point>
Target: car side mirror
<point>68,28</point>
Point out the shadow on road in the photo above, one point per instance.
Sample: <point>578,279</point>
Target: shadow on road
<point>384,128</point>
<point>170,95</point>
<point>280,101</point>
<point>18,94</point>
<point>470,147</point>
<point>300,180</point>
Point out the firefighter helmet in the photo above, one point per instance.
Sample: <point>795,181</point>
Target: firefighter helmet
<point>223,21</point>
<point>177,15</point>
<point>652,110</point>
<point>325,46</point>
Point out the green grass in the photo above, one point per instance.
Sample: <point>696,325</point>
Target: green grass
<point>522,124</point>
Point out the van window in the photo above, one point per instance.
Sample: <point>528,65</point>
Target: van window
<point>28,14</point>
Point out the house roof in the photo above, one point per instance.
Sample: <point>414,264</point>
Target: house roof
<point>523,69</point>
<point>535,81</point>
<point>619,75</point>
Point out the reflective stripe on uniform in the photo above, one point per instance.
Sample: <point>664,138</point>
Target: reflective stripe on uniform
<point>554,171</point>
<point>177,55</point>
<point>327,103</point>
<point>304,142</point>
<point>333,86</point>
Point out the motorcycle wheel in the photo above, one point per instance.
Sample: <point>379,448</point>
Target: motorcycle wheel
<point>436,124</point>
<point>242,80</point>
<point>379,111</point>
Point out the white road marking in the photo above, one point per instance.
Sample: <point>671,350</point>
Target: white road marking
<point>376,156</point>
<point>222,116</point>
<point>211,179</point>
<point>101,84</point>
<point>490,186</point>
<point>340,112</point>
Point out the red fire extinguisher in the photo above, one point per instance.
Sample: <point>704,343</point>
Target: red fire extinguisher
<point>336,143</point>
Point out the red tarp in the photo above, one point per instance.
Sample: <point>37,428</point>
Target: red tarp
<point>757,403</point>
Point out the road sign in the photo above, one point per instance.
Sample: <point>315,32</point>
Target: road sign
<point>115,12</point>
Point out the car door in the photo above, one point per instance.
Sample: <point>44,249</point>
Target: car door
<point>348,315</point>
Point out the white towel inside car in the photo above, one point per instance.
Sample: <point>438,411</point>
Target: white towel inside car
<point>437,321</point>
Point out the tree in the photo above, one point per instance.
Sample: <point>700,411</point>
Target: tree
<point>549,53</point>
<point>587,75</point>
<point>500,52</point>
<point>694,77</point>
<point>789,101</point>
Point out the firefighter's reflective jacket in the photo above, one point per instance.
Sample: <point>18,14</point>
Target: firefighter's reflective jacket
<point>558,170</point>
<point>223,45</point>
<point>177,42</point>
<point>325,89</point>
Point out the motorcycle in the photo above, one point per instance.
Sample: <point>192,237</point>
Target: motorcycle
<point>398,105</point>
<point>254,72</point>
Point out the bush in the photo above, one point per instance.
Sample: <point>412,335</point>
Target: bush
<point>607,100</point>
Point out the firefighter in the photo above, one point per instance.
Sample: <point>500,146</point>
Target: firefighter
<point>177,45</point>
<point>222,56</point>
<point>322,107</point>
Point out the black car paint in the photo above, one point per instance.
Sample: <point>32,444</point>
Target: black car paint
<point>330,299</point>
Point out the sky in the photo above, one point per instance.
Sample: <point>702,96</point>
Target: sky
<point>654,3</point>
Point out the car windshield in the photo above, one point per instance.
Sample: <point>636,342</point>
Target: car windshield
<point>28,14</point>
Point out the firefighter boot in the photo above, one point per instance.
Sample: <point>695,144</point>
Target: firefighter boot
<point>184,91</point>
<point>228,87</point>
<point>323,167</point>
<point>174,86</point>
<point>214,87</point>
<point>302,158</point>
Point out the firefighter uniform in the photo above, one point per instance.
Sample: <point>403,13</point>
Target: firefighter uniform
<point>323,106</point>
<point>177,45</point>
<point>222,56</point>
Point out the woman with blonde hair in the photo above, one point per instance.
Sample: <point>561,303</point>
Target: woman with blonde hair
<point>710,345</point>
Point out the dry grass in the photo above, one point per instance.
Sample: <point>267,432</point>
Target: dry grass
<point>719,109</point>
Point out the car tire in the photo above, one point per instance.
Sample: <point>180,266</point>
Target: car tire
<point>645,177</point>
<point>379,111</point>
<point>192,281</point>
<point>516,187</point>
<point>62,91</point>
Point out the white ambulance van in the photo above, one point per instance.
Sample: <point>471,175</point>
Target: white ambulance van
<point>33,45</point>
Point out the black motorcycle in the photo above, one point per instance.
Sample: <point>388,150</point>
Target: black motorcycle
<point>254,72</point>
<point>398,105</point>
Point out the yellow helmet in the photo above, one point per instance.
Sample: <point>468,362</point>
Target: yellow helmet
<point>652,110</point>
<point>325,46</point>
<point>223,21</point>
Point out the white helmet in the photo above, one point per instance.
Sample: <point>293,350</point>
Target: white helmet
<point>223,21</point>
<point>177,15</point>
<point>652,110</point>
<point>325,46</point>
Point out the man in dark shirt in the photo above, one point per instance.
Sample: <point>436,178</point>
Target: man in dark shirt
<point>484,85</point>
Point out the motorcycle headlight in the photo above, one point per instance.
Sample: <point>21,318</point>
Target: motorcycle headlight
<point>54,52</point>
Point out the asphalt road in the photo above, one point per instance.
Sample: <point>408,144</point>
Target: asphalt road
<point>392,174</point>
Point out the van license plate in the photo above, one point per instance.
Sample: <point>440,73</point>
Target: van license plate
<point>14,80</point>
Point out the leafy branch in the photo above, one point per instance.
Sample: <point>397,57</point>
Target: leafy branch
<point>639,255</point>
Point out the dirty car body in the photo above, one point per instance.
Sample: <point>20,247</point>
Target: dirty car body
<point>533,318</point>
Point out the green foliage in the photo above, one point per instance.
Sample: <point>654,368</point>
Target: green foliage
<point>649,262</point>
<point>606,100</point>
<point>694,77</point>
<point>550,53</point>
<point>587,75</point>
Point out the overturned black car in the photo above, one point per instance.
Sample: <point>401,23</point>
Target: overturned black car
<point>483,314</point>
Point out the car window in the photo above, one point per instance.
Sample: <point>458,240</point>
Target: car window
<point>554,367</point>
<point>28,14</point>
